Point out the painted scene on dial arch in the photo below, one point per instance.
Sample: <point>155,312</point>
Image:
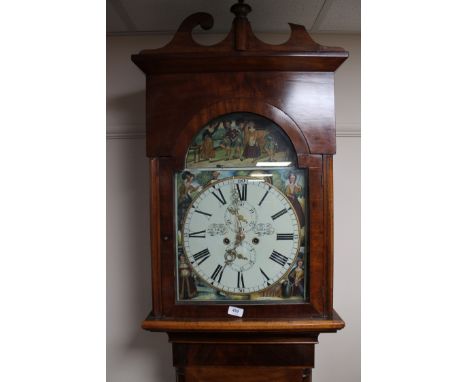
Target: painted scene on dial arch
<point>240,140</point>
<point>289,181</point>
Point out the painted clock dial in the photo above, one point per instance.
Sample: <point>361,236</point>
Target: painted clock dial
<point>240,209</point>
<point>241,235</point>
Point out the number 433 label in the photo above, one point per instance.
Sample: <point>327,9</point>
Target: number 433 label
<point>233,311</point>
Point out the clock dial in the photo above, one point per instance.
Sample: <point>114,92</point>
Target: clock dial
<point>241,235</point>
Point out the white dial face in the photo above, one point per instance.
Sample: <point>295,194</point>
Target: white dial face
<point>241,235</point>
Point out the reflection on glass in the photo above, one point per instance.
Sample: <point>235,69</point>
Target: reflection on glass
<point>273,164</point>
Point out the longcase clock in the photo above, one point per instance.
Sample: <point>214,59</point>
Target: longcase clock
<point>241,138</point>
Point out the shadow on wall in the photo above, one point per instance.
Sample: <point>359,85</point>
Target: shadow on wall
<point>126,112</point>
<point>132,353</point>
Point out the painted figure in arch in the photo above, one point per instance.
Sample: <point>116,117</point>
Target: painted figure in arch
<point>232,141</point>
<point>207,150</point>
<point>271,147</point>
<point>252,148</point>
<point>293,191</point>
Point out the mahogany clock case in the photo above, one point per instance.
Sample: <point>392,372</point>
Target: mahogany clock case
<point>292,85</point>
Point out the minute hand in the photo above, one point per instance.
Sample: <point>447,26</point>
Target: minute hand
<point>240,232</point>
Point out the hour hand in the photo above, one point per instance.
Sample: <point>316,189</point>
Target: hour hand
<point>239,256</point>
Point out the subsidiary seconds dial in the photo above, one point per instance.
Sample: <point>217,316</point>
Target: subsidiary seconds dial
<point>241,235</point>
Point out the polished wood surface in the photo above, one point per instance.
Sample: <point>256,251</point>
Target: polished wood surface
<point>305,98</point>
<point>230,356</point>
<point>243,337</point>
<point>241,354</point>
<point>241,51</point>
<point>155,234</point>
<point>301,62</point>
<point>240,38</point>
<point>243,325</point>
<point>244,374</point>
<point>328,232</point>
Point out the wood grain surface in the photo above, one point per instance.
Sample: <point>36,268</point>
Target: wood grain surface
<point>244,374</point>
<point>242,325</point>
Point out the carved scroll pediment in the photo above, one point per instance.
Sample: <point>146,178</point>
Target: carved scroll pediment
<point>240,38</point>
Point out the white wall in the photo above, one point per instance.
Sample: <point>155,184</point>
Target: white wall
<point>139,356</point>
